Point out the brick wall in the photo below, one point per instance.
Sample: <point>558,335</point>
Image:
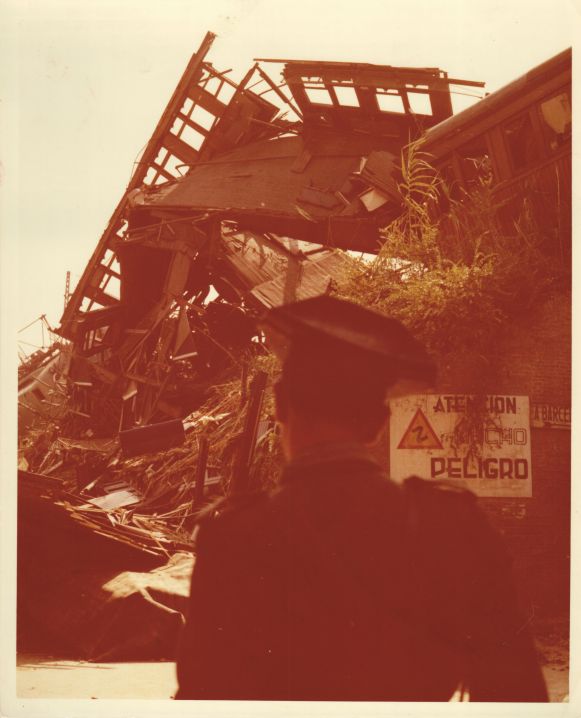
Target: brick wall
<point>533,358</point>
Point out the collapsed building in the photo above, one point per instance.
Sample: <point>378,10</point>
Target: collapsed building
<point>237,201</point>
<point>248,195</point>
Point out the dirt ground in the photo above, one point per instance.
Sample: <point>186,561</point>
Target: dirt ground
<point>552,638</point>
<point>48,677</point>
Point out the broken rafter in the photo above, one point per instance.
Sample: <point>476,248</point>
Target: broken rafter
<point>274,87</point>
<point>160,134</point>
<point>190,76</point>
<point>282,128</point>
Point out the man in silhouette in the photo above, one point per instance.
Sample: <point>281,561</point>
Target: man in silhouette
<point>341,585</point>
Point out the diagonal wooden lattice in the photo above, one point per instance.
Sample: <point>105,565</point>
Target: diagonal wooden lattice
<point>187,132</point>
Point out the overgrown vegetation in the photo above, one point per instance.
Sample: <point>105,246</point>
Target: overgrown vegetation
<point>454,278</point>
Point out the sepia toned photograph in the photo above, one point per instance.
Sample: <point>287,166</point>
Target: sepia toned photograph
<point>293,314</point>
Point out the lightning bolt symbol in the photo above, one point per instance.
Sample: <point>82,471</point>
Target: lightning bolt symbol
<point>420,436</point>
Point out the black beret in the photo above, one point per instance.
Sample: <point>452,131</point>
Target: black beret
<point>344,337</point>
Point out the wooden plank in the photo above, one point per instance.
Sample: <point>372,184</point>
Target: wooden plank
<point>180,149</point>
<point>240,474</point>
<point>111,272</point>
<point>194,125</point>
<point>206,100</point>
<point>201,470</point>
<point>160,171</point>
<point>279,92</point>
<point>99,296</point>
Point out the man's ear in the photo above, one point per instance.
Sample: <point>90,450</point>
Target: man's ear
<point>381,418</point>
<point>281,401</point>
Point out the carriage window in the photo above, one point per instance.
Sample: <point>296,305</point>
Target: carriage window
<point>556,115</point>
<point>318,93</point>
<point>450,184</point>
<point>522,143</point>
<point>388,102</point>
<point>475,163</point>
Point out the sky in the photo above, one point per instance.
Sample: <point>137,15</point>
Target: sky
<point>84,83</point>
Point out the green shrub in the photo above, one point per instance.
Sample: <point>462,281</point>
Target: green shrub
<point>455,279</point>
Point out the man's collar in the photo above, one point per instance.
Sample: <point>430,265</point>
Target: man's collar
<point>328,453</point>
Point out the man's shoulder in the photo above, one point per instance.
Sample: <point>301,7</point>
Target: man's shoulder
<point>232,507</point>
<point>438,490</point>
<point>443,514</point>
<point>237,515</point>
<point>441,507</point>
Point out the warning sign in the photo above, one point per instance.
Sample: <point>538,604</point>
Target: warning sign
<point>482,444</point>
<point>419,434</point>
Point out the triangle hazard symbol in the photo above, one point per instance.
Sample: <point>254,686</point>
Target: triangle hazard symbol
<point>419,434</point>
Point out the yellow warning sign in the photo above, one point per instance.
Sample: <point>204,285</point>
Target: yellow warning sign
<point>419,434</point>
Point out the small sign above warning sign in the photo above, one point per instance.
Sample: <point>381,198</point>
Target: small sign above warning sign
<point>419,434</point>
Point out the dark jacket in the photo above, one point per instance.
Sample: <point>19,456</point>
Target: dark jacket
<point>341,585</point>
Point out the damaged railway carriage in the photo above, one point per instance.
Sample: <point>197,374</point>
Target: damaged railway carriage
<point>519,139</point>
